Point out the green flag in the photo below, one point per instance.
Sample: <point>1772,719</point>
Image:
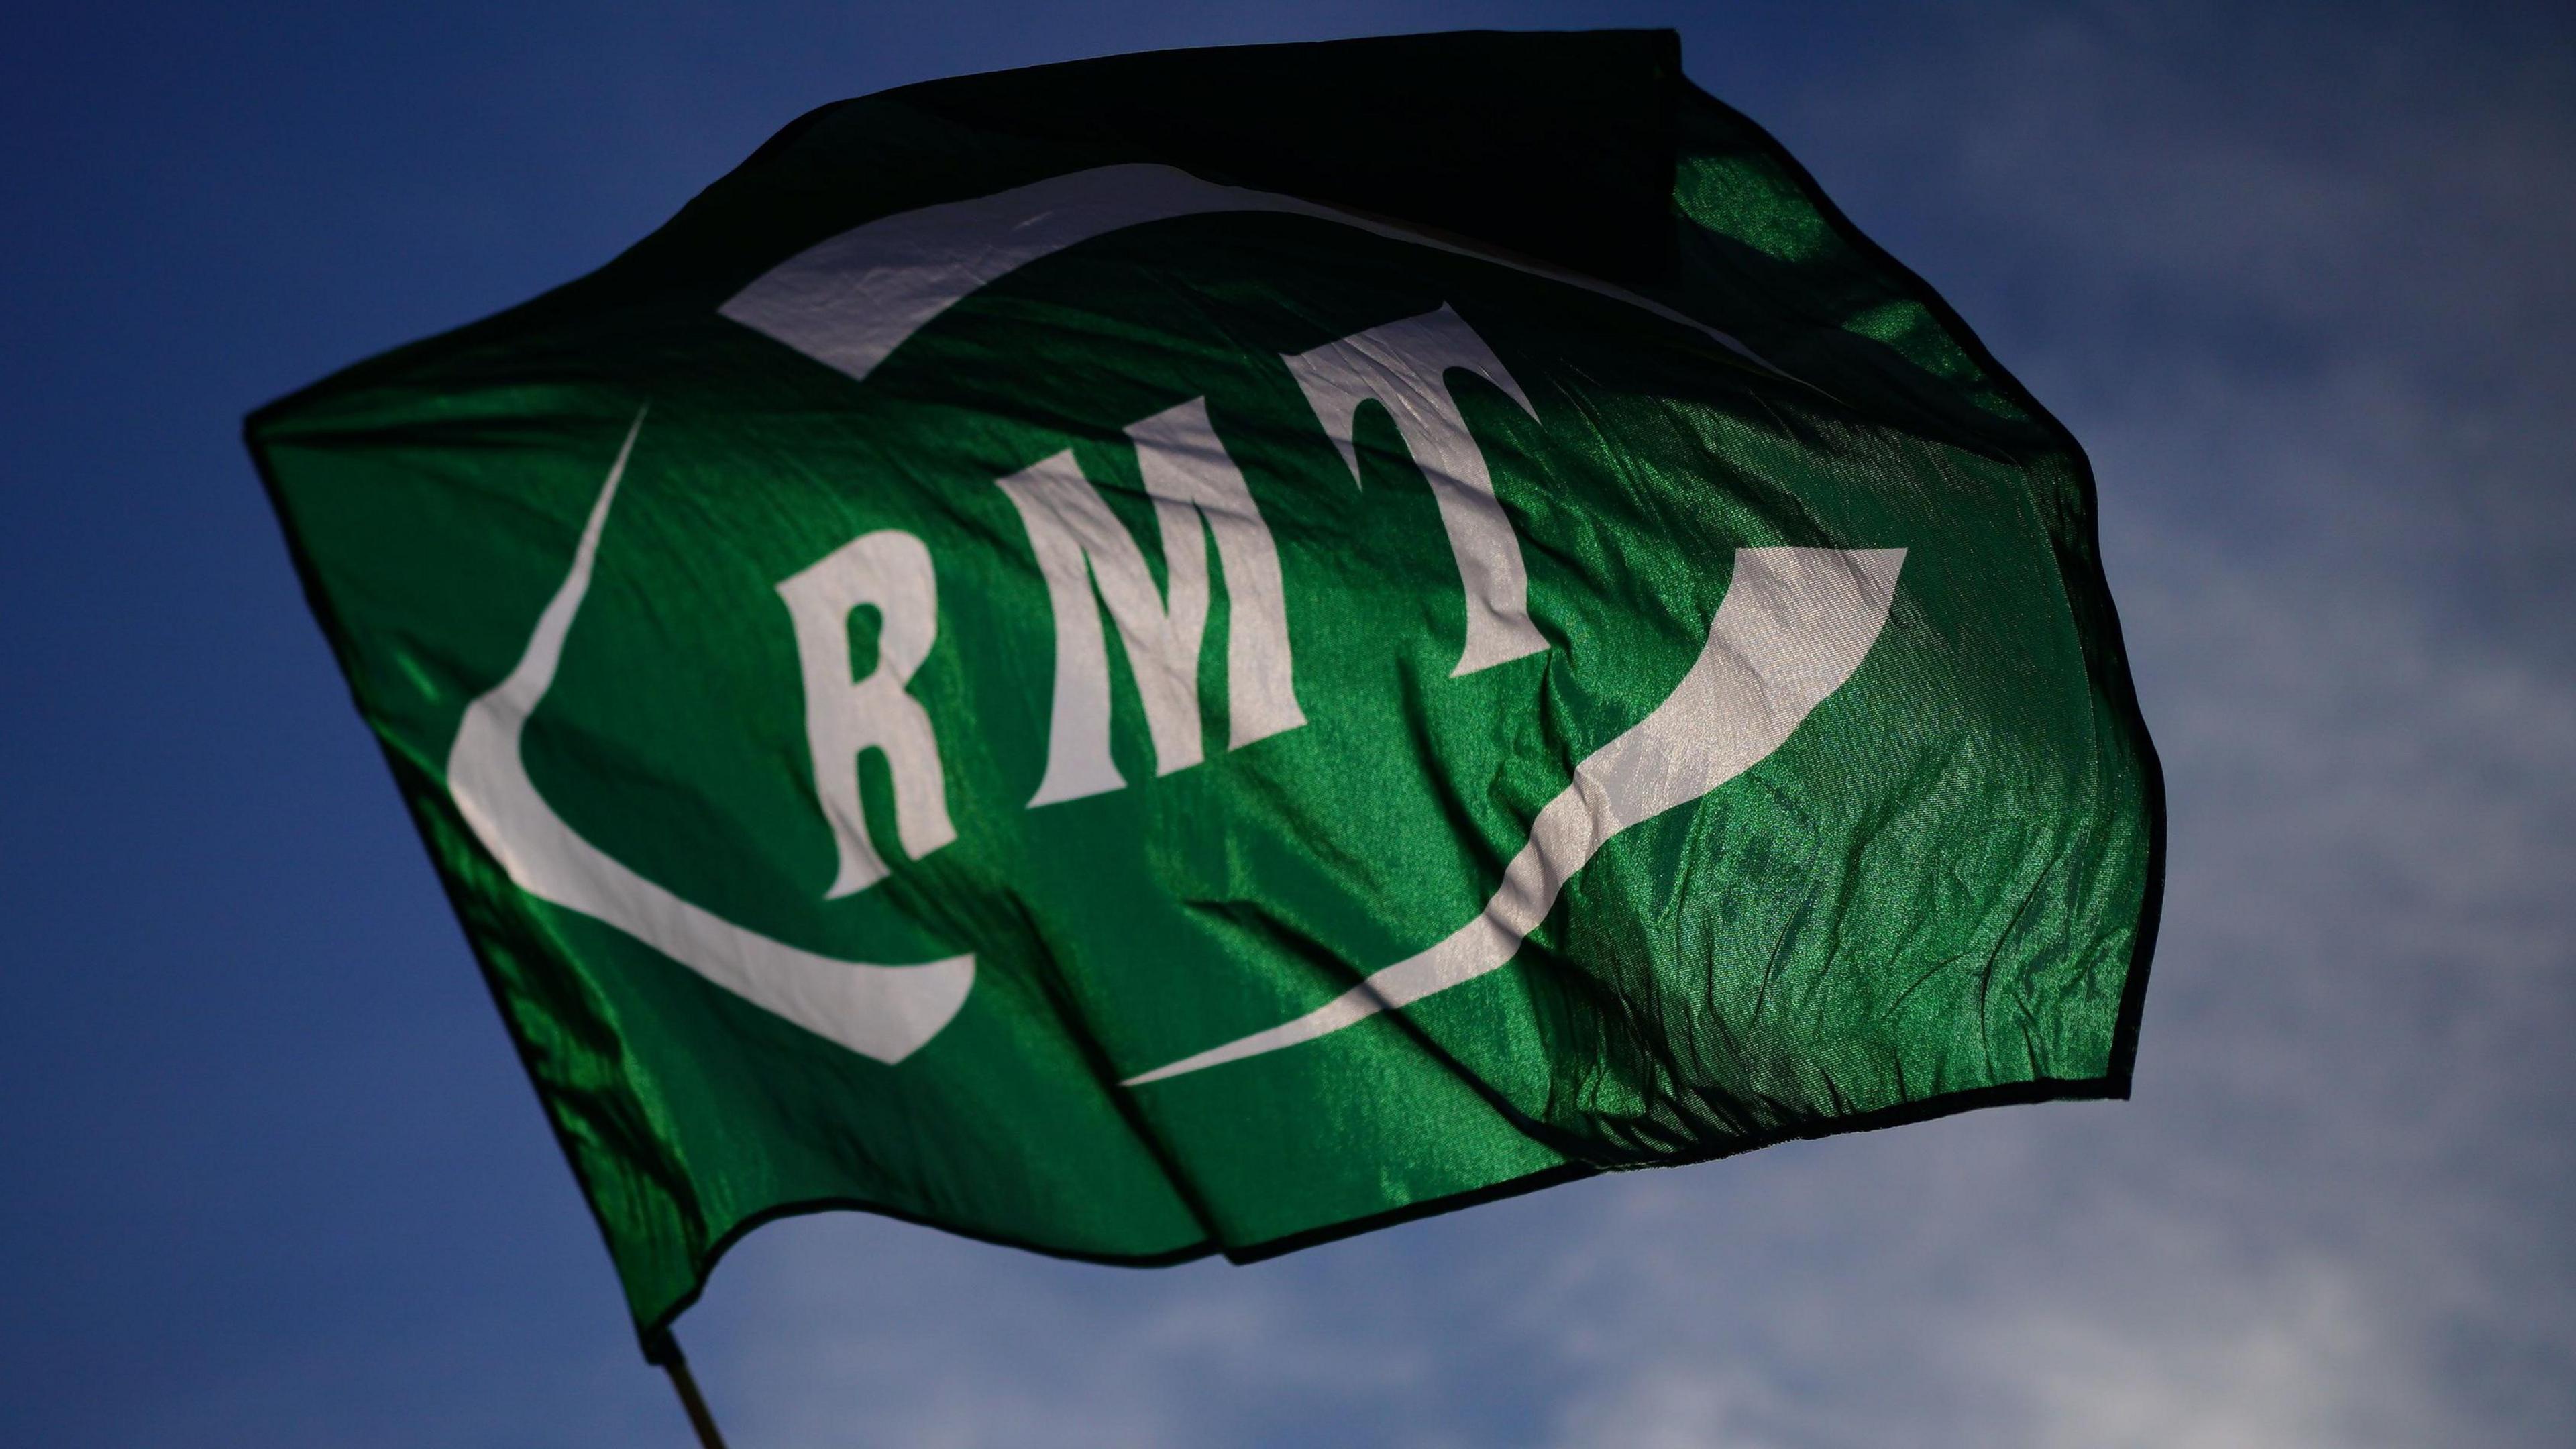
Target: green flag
<point>1197,652</point>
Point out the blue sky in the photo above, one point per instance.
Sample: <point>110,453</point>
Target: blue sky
<point>2300,282</point>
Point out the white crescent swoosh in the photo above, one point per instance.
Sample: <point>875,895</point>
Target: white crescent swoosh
<point>850,301</point>
<point>1794,625</point>
<point>885,1012</point>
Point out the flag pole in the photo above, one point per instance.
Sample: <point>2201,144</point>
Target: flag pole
<point>676,1365</point>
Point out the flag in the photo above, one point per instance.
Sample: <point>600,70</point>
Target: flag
<point>1198,652</point>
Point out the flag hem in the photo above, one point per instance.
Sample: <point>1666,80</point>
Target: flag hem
<point>657,1339</point>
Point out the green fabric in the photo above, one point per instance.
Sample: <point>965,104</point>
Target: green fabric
<point>1935,890</point>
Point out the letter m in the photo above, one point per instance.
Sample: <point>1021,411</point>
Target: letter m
<point>1081,546</point>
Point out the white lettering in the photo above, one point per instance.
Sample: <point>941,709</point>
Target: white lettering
<point>891,571</point>
<point>1183,462</point>
<point>1081,545</point>
<point>1405,366</point>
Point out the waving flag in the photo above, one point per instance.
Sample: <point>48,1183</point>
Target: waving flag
<point>1202,651</point>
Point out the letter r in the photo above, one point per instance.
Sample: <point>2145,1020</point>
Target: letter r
<point>890,570</point>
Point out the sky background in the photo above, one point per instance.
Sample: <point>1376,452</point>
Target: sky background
<point>2305,286</point>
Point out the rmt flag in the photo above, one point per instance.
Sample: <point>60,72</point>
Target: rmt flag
<point>1196,652</point>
